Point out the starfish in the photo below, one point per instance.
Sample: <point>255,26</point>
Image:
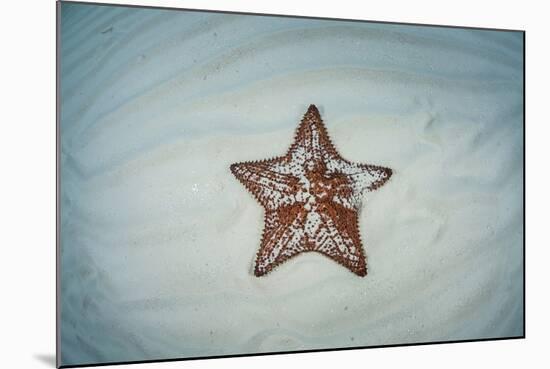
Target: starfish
<point>312,197</point>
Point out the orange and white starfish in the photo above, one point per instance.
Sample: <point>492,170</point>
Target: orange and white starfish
<point>311,198</point>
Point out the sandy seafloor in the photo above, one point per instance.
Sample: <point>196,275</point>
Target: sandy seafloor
<point>158,238</point>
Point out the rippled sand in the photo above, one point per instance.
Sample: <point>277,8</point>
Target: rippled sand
<point>158,238</point>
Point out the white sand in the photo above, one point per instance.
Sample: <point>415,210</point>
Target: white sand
<point>159,239</point>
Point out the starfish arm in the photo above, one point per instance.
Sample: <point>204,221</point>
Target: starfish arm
<point>263,179</point>
<point>338,238</point>
<point>283,237</point>
<point>361,178</point>
<point>312,144</point>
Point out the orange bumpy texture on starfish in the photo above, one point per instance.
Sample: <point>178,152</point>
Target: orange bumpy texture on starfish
<point>311,198</point>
